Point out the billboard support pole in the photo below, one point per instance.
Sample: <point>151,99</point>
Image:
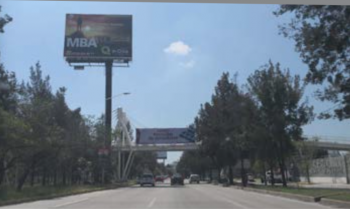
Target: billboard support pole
<point>108,115</point>
<point>108,111</point>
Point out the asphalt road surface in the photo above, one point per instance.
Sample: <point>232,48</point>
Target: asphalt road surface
<point>166,196</point>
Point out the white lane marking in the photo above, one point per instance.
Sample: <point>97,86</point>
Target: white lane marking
<point>224,199</point>
<point>151,203</point>
<point>70,203</point>
<point>234,203</point>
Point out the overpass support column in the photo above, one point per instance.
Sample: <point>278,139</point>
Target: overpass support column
<point>346,169</point>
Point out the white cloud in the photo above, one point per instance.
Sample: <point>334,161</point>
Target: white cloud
<point>189,64</point>
<point>178,48</point>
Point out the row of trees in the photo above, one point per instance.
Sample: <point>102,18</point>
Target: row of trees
<point>263,120</point>
<point>41,138</point>
<point>43,141</point>
<point>259,120</point>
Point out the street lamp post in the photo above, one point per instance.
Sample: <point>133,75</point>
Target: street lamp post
<point>108,118</point>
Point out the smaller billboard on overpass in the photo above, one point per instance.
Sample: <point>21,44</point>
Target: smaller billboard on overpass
<point>165,136</point>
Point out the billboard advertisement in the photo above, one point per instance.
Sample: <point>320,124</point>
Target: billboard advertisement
<point>165,136</point>
<point>162,155</point>
<point>98,37</point>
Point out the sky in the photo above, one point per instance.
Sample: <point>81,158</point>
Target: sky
<point>180,50</point>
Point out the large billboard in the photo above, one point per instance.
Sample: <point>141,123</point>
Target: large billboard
<point>98,37</point>
<point>165,136</point>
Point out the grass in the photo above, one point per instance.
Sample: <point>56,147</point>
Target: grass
<point>336,194</point>
<point>11,196</point>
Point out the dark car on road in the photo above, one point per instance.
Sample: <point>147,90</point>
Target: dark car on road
<point>177,179</point>
<point>194,178</point>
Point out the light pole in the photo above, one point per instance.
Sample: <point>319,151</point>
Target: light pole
<point>108,122</point>
<point>108,117</point>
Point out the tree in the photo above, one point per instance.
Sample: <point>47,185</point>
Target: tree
<point>213,125</point>
<point>226,125</point>
<point>279,95</point>
<point>3,21</point>
<point>37,110</point>
<point>206,134</point>
<point>12,128</point>
<point>193,162</point>
<point>42,139</point>
<point>263,148</point>
<point>13,135</point>
<point>144,162</point>
<point>321,34</point>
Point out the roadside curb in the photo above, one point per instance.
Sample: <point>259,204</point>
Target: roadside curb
<point>336,203</point>
<point>282,194</point>
<point>305,198</point>
<point>33,199</point>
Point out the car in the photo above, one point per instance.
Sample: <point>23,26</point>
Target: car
<point>177,179</point>
<point>251,177</point>
<point>159,178</point>
<point>277,176</point>
<point>194,178</point>
<point>208,180</point>
<point>147,179</point>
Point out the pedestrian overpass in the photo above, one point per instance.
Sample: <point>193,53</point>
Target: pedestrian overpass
<point>126,144</point>
<point>329,142</point>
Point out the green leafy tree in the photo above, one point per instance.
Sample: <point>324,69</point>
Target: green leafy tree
<point>144,162</point>
<point>279,97</point>
<point>37,110</point>
<point>243,134</point>
<point>193,162</point>
<point>225,126</point>
<point>262,150</point>
<point>13,135</point>
<point>12,128</point>
<point>213,128</point>
<point>321,34</point>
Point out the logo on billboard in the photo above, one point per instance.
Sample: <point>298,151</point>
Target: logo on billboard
<point>188,134</point>
<point>81,42</point>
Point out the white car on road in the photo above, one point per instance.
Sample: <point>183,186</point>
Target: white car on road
<point>147,179</point>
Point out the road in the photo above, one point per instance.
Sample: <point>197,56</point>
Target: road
<point>165,196</point>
